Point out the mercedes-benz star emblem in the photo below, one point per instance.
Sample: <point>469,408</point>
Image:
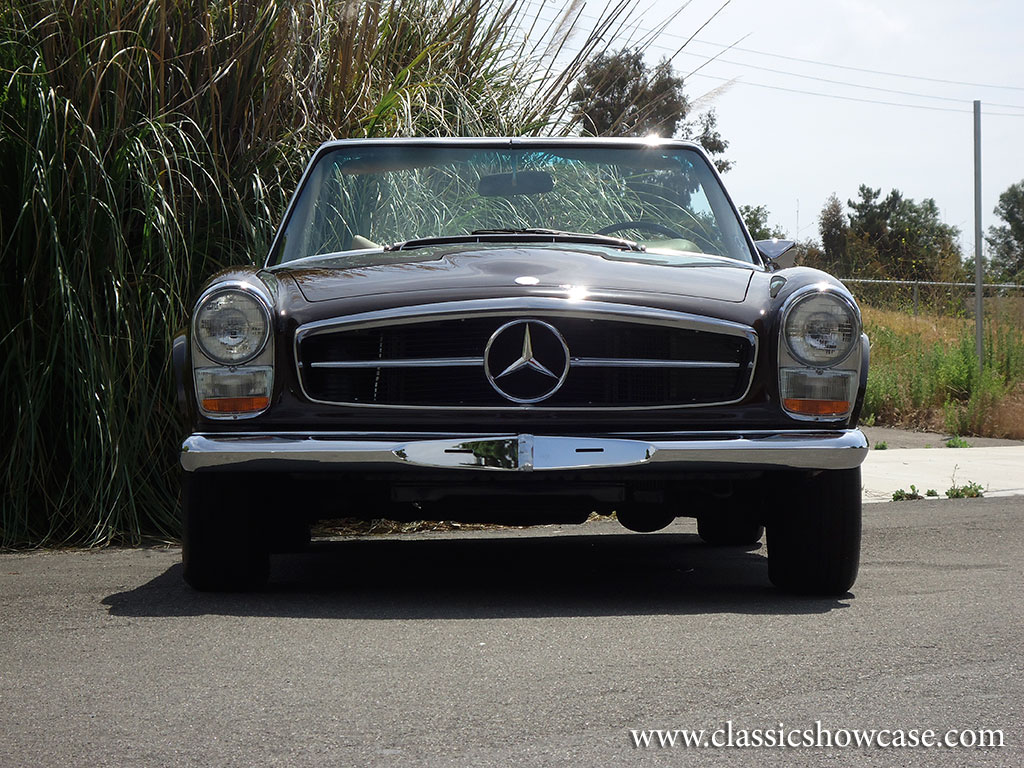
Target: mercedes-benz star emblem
<point>526,361</point>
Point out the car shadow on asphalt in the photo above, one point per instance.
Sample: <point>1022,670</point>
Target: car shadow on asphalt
<point>493,577</point>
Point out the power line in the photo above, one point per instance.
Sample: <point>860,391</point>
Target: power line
<point>861,69</point>
<point>697,73</point>
<point>853,98</point>
<point>760,68</point>
<point>726,47</point>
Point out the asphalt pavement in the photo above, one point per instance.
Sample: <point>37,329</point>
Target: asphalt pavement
<point>536,647</point>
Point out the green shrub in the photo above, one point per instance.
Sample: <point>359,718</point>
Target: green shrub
<point>969,416</point>
<point>915,375</point>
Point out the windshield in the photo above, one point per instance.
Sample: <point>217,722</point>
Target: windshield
<point>368,196</point>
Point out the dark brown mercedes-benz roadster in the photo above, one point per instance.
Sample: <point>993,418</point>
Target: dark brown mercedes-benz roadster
<point>522,331</point>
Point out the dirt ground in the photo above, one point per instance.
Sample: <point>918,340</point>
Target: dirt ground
<point>903,438</point>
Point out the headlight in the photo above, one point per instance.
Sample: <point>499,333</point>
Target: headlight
<point>821,329</point>
<point>232,326</point>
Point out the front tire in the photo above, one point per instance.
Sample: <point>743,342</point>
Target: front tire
<point>814,534</point>
<point>224,542</point>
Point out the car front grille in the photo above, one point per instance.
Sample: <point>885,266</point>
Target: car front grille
<point>439,363</point>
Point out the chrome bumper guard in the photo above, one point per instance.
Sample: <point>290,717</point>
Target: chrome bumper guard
<point>293,452</point>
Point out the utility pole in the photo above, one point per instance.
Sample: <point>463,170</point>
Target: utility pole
<point>978,265</point>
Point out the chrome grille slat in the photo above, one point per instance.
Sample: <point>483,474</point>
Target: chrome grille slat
<point>444,362</point>
<point>463,362</point>
<point>598,362</point>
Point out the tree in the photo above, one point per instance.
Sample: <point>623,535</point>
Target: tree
<point>835,231</point>
<point>756,219</point>
<point>807,253</point>
<point>907,239</point>
<point>891,237</point>
<point>704,131</point>
<point>844,252</point>
<point>1006,242</point>
<point>619,95</point>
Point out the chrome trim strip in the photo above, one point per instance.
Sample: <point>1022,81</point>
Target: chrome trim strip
<point>287,452</point>
<point>516,307</point>
<point>580,362</point>
<point>555,306</point>
<point>711,434</point>
<point>440,362</point>
<point>625,362</point>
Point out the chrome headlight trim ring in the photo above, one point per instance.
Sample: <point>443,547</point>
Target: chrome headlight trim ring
<point>812,291</point>
<point>252,292</point>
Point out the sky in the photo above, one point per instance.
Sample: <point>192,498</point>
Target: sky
<point>792,149</point>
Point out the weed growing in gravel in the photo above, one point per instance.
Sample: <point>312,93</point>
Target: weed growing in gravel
<point>904,495</point>
<point>967,491</point>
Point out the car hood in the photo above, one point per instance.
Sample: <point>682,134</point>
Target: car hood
<point>456,269</point>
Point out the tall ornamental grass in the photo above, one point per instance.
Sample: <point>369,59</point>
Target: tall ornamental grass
<point>146,143</point>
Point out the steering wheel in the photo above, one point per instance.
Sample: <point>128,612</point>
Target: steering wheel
<point>650,226</point>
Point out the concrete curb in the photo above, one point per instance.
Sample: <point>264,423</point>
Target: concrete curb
<point>999,470</point>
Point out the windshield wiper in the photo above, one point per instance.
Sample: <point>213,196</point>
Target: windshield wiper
<point>531,235</point>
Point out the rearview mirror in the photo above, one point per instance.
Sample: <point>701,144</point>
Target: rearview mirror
<point>520,183</point>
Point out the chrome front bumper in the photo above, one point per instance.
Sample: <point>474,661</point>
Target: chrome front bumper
<point>293,452</point>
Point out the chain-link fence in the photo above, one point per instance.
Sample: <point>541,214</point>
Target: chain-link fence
<point>1004,301</point>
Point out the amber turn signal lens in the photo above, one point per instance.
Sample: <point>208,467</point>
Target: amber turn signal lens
<point>236,404</point>
<point>232,392</point>
<point>817,407</point>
